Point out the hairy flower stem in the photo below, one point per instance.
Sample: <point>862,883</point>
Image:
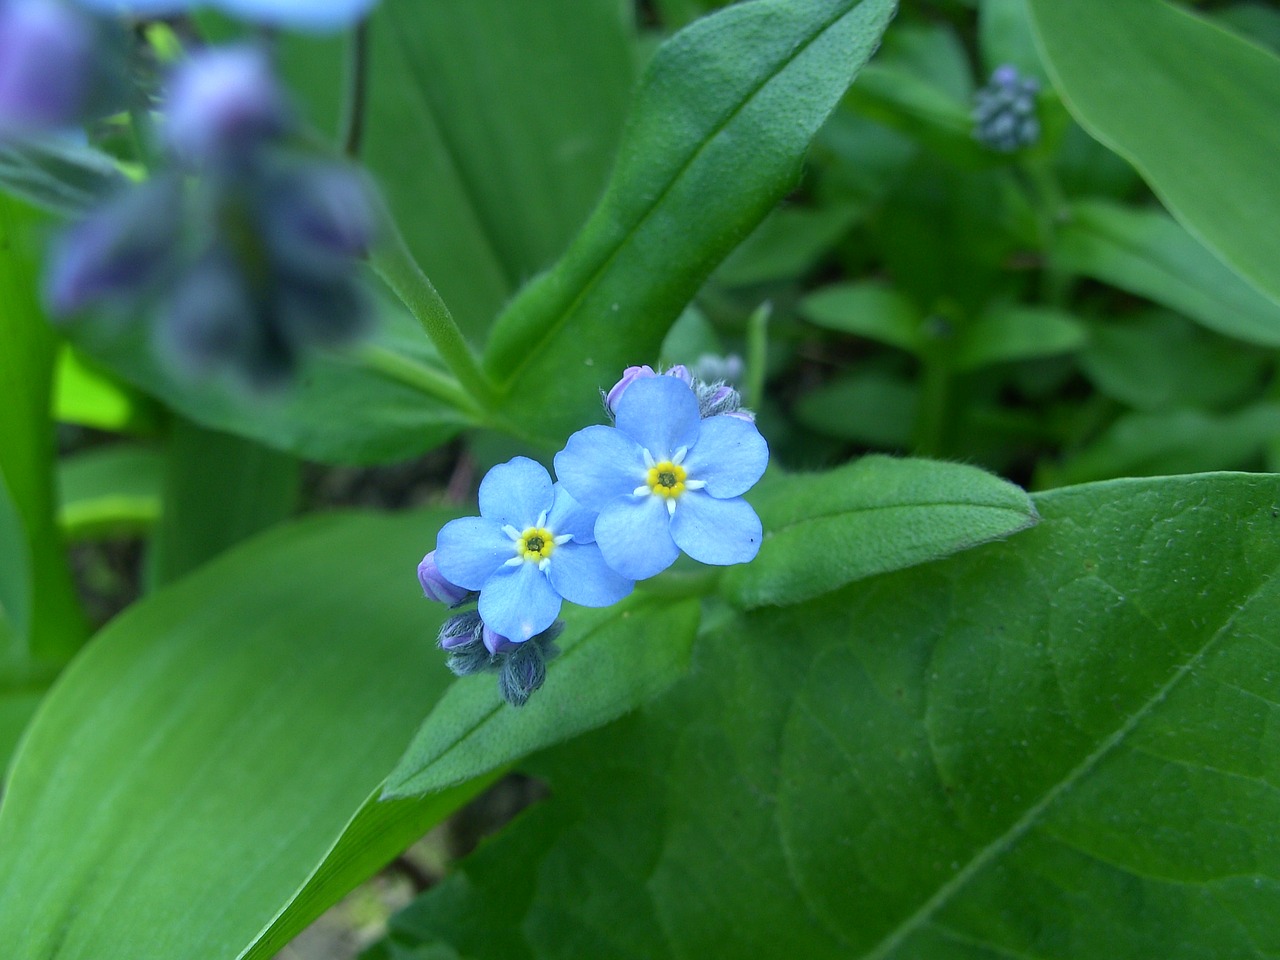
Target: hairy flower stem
<point>401,369</point>
<point>356,93</point>
<point>396,265</point>
<point>757,353</point>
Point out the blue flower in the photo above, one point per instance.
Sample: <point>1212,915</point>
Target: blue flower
<point>666,480</point>
<point>531,545</point>
<point>323,15</point>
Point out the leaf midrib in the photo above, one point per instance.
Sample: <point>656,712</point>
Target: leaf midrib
<point>1028,516</point>
<point>553,329</point>
<point>1001,844</point>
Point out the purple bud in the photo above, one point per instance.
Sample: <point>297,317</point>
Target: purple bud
<point>318,214</point>
<point>523,672</point>
<point>746,415</point>
<point>680,372</point>
<point>435,586</point>
<point>1005,75</point>
<point>629,376</point>
<point>209,320</point>
<point>459,631</point>
<point>223,102</point>
<point>46,65</point>
<point>118,251</point>
<point>496,643</point>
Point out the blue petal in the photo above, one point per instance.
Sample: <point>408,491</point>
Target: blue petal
<point>324,15</point>
<point>518,602</point>
<point>660,414</point>
<point>716,531</point>
<point>569,516</point>
<point>515,492</point>
<point>470,549</point>
<point>580,575</point>
<point>730,456</point>
<point>634,536</point>
<point>599,465</point>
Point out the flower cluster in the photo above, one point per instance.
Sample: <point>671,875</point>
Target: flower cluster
<point>245,253</point>
<point>1004,111</point>
<point>667,477</point>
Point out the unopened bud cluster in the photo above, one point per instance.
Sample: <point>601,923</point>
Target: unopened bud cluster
<point>1004,111</point>
<point>715,397</point>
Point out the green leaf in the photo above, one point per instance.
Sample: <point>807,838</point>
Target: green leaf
<point>824,530</point>
<point>787,245</point>
<point>868,309</point>
<point>869,407</point>
<point>57,174</point>
<point>15,570</point>
<point>1009,332</point>
<point>1005,36</point>
<point>491,127</point>
<point>217,490</point>
<point>1147,253</point>
<point>219,736</point>
<point>86,394</point>
<point>613,660</point>
<point>715,139</point>
<point>1135,74</point>
<point>110,491</point>
<point>1060,746</point>
<point>1160,360</point>
<point>355,407</point>
<point>1176,441</point>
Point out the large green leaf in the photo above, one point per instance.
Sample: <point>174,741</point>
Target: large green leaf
<point>491,126</point>
<point>198,762</point>
<point>824,530</point>
<point>1195,108</point>
<point>613,660</point>
<point>52,624</point>
<point>1060,746</point>
<point>1147,253</point>
<point>57,174</point>
<point>715,139</point>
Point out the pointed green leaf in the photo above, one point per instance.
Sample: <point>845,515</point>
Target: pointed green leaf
<point>824,530</point>
<point>715,139</point>
<point>202,757</point>
<point>1194,107</point>
<point>1061,746</point>
<point>613,660</point>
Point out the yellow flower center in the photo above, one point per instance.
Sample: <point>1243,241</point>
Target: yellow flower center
<point>536,543</point>
<point>666,479</point>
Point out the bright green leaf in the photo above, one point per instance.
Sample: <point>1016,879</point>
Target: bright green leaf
<point>86,394</point>
<point>1195,108</point>
<point>613,660</point>
<point>1061,746</point>
<point>868,309</point>
<point>204,754</point>
<point>1008,332</point>
<point>107,491</point>
<point>715,139</point>
<point>824,530</point>
<point>1147,253</point>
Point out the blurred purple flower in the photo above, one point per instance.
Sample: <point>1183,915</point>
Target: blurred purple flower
<point>317,15</point>
<point>47,65</point>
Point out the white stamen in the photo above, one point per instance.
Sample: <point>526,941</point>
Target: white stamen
<point>514,561</point>
<point>649,461</point>
<point>544,563</point>
<point>563,538</point>
<point>511,531</point>
<point>671,506</point>
<point>641,490</point>
<point>678,457</point>
<point>542,519</point>
<point>694,484</point>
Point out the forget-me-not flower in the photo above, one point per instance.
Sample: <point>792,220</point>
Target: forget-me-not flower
<point>532,545</point>
<point>666,480</point>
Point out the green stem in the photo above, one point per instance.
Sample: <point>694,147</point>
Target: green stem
<point>935,402</point>
<point>401,369</point>
<point>757,353</point>
<point>356,93</point>
<point>1052,208</point>
<point>396,265</point>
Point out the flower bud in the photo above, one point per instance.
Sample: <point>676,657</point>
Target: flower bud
<point>460,630</point>
<point>523,671</point>
<point>208,320</point>
<point>436,587</point>
<point>629,376</point>
<point>1004,111</point>
<point>223,103</point>
<point>496,643</point>
<point>46,66</point>
<point>680,372</point>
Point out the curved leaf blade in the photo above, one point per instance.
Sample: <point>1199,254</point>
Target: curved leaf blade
<point>715,139</point>
<point>1134,72</point>
<point>192,768</point>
